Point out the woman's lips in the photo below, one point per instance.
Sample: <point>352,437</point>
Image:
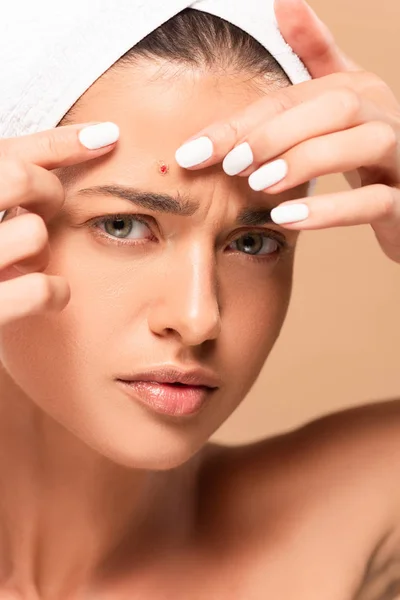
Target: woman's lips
<point>167,398</point>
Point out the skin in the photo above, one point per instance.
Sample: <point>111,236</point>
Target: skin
<point>217,307</point>
<point>345,120</point>
<point>102,498</point>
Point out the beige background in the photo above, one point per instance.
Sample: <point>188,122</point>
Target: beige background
<point>341,342</point>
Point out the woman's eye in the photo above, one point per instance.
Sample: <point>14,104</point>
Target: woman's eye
<point>125,227</point>
<point>256,244</point>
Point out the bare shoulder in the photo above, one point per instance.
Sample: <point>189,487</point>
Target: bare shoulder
<point>326,494</point>
<point>349,455</point>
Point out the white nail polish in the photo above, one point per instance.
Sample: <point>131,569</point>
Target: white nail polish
<point>291,213</point>
<point>238,159</point>
<point>98,136</point>
<point>195,152</point>
<point>268,175</point>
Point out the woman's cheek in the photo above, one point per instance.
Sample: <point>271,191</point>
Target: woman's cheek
<point>256,310</point>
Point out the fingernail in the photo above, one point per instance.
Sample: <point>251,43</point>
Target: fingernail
<point>99,136</point>
<point>292,213</point>
<point>268,175</point>
<point>238,159</point>
<point>195,152</point>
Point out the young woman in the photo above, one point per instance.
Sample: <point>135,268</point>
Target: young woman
<point>139,299</point>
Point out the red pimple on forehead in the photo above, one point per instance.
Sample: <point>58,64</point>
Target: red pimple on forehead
<point>163,167</point>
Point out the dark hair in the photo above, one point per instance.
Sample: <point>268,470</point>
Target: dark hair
<point>202,40</point>
<point>199,39</point>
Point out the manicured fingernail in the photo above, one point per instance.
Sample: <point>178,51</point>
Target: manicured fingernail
<point>268,175</point>
<point>238,159</point>
<point>292,213</point>
<point>99,136</point>
<point>195,152</point>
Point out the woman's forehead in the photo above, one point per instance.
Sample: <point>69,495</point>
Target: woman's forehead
<point>156,114</point>
<point>151,103</point>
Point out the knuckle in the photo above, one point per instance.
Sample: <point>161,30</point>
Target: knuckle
<point>383,136</point>
<point>231,130</point>
<point>49,145</point>
<point>283,100</point>
<point>385,196</point>
<point>349,102</point>
<point>225,135</point>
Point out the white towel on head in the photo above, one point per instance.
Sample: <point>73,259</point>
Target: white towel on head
<point>52,52</point>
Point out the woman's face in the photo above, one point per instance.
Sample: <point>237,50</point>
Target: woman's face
<point>152,288</point>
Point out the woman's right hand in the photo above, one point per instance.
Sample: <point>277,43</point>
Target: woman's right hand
<point>26,182</point>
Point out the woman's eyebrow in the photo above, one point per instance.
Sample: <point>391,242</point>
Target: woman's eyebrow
<point>163,203</point>
<point>176,205</point>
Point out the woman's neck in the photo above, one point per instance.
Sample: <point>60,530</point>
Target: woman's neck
<point>66,511</point>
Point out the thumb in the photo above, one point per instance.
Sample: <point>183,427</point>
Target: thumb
<point>311,39</point>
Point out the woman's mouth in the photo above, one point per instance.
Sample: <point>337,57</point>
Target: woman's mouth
<point>170,391</point>
<point>174,399</point>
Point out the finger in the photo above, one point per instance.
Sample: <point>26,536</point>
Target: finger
<point>62,146</point>
<point>329,112</point>
<point>311,39</point>
<point>29,186</point>
<point>32,294</point>
<point>368,205</point>
<point>212,144</point>
<point>24,242</point>
<point>370,144</point>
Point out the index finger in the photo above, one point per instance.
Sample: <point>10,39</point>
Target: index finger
<point>62,146</point>
<point>212,144</point>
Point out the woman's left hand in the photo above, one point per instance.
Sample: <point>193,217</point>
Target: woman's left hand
<point>345,120</point>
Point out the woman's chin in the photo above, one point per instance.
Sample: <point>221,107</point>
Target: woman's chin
<point>139,444</point>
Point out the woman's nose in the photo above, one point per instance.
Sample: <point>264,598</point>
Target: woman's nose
<point>186,304</point>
